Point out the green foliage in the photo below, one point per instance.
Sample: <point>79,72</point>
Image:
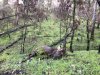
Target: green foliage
<point>5,40</point>
<point>79,63</point>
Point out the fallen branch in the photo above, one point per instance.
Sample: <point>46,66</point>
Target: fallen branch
<point>61,40</point>
<point>11,44</point>
<point>14,30</point>
<point>9,16</point>
<point>30,56</point>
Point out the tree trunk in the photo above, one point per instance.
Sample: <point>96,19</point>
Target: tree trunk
<point>64,42</point>
<point>60,34</point>
<point>23,41</point>
<point>71,44</point>
<point>98,26</point>
<point>64,45</point>
<point>99,49</point>
<point>93,19</point>
<point>24,31</point>
<point>87,29</point>
<point>73,31</point>
<point>88,38</point>
<point>16,12</point>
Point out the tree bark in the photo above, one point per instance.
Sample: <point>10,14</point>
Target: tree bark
<point>93,19</point>
<point>25,32</point>
<point>98,26</point>
<point>73,31</point>
<point>87,29</point>
<point>88,38</point>
<point>99,49</point>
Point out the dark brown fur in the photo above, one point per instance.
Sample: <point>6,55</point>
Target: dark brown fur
<point>53,52</point>
<point>58,54</point>
<point>48,50</point>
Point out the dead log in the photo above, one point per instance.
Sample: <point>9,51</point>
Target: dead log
<point>61,40</point>
<point>14,30</point>
<point>11,44</point>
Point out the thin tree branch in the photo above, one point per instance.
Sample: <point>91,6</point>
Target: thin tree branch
<point>61,40</point>
<point>14,30</point>
<point>11,44</point>
<point>8,16</point>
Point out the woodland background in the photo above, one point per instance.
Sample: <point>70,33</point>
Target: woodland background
<point>28,25</point>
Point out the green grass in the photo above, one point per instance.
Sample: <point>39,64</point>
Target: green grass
<point>78,63</point>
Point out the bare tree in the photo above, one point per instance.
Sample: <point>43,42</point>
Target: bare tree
<point>87,27</point>
<point>93,19</point>
<point>73,30</point>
